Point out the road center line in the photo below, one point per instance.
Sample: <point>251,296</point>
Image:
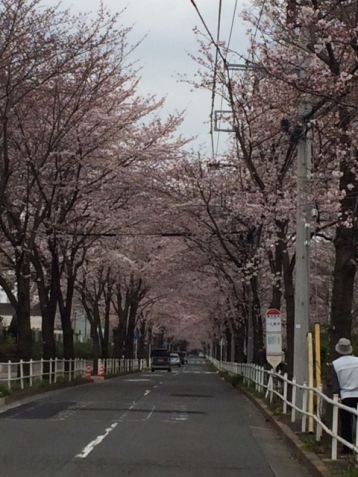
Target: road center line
<point>89,448</point>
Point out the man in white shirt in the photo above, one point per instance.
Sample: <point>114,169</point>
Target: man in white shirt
<point>345,384</point>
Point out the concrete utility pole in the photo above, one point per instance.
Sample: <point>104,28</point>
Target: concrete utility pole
<point>302,287</point>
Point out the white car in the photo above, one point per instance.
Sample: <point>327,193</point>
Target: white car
<point>175,359</point>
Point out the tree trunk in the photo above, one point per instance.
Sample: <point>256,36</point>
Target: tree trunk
<point>48,305</point>
<point>95,346</point>
<point>289,293</point>
<point>120,333</point>
<point>228,335</point>
<point>90,312</point>
<point>105,343</point>
<point>65,312</point>
<point>68,334</point>
<point>129,348</point>
<point>240,333</point>
<point>276,266</point>
<point>48,340</point>
<point>343,285</point>
<point>141,342</point>
<point>24,343</point>
<point>256,320</point>
<point>345,241</point>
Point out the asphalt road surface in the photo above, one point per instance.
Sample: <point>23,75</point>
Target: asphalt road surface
<point>188,423</point>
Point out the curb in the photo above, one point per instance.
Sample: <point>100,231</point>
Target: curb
<point>310,460</point>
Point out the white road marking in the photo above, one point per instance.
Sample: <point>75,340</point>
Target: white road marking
<point>151,412</point>
<point>147,392</point>
<point>89,448</point>
<point>155,387</point>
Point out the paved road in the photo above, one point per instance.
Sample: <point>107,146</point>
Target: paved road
<point>188,423</point>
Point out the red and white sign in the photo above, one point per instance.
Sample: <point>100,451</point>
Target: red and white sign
<point>273,337</point>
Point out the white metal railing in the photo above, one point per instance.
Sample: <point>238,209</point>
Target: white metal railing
<point>116,366</point>
<point>28,372</point>
<point>275,384</point>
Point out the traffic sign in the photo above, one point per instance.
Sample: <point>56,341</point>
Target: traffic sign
<point>136,336</point>
<point>274,354</point>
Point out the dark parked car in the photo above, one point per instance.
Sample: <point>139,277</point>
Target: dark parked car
<point>160,359</point>
<point>183,357</point>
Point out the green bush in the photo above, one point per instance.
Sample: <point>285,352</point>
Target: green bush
<point>83,350</point>
<point>4,391</point>
<point>36,351</point>
<point>235,380</point>
<point>8,350</point>
<point>62,379</point>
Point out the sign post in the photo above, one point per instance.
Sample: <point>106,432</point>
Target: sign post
<point>273,337</point>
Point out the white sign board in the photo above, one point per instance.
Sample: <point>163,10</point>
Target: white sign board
<point>274,354</point>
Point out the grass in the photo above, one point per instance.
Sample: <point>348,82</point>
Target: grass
<point>4,391</point>
<point>312,445</point>
<point>351,471</point>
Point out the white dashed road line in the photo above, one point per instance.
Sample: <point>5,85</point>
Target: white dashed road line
<point>151,412</point>
<point>89,447</point>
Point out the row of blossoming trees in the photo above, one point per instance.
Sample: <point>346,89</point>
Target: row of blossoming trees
<point>103,204</point>
<point>251,207</point>
<point>239,211</point>
<point>78,145</point>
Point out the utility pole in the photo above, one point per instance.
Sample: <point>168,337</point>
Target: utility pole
<point>303,236</point>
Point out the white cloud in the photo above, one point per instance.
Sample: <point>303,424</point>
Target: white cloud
<point>164,53</point>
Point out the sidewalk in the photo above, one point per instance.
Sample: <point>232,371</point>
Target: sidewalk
<point>315,455</point>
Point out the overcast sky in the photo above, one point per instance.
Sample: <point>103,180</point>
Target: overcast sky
<point>163,54</point>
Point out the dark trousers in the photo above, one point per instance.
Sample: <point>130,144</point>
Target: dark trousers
<point>347,422</point>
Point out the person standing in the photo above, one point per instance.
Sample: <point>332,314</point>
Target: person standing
<point>345,384</point>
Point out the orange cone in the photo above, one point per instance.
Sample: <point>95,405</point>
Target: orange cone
<point>101,371</point>
<point>88,373</point>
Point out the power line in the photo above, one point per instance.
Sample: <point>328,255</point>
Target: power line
<point>257,26</point>
<point>207,30</point>
<point>214,81</point>
<point>232,25</point>
<point>227,51</point>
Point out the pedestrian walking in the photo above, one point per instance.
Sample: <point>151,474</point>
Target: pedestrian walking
<point>345,384</point>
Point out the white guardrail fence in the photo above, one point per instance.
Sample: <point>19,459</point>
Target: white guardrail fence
<point>26,373</point>
<point>287,391</point>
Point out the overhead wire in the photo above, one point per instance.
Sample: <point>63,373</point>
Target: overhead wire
<point>218,51</point>
<point>217,55</point>
<point>257,26</point>
<point>227,51</point>
<point>213,93</point>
